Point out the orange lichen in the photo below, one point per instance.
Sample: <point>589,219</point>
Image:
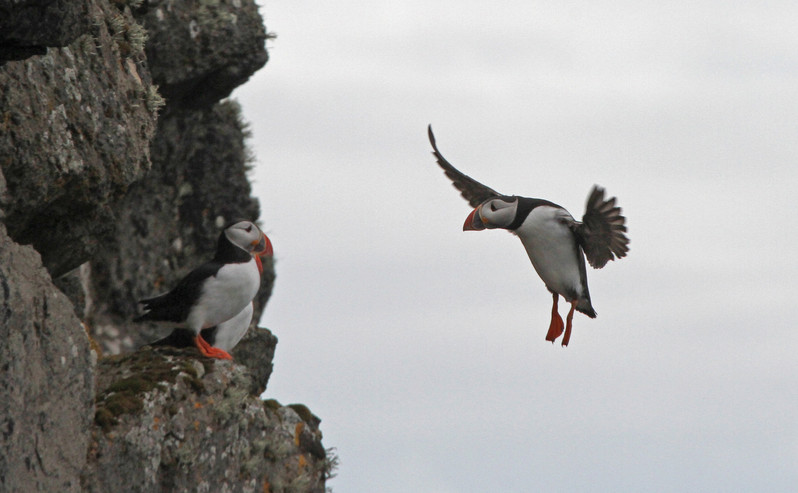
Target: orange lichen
<point>298,431</point>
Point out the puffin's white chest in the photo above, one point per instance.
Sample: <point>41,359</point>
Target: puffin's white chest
<point>552,248</point>
<point>229,333</point>
<point>225,295</point>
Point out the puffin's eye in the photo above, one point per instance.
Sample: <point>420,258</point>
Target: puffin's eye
<point>248,228</point>
<point>493,206</point>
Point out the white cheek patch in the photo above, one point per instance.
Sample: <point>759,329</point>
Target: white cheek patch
<point>503,216</point>
<point>238,235</point>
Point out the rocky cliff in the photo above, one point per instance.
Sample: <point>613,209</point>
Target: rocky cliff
<point>119,162</point>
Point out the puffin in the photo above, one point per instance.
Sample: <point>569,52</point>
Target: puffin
<point>224,336</point>
<point>216,291</point>
<point>556,243</point>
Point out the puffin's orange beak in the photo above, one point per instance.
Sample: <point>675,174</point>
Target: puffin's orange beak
<point>263,247</point>
<point>265,250</point>
<point>474,221</point>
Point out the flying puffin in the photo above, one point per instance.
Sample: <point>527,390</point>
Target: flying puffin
<point>224,336</point>
<point>217,290</point>
<point>555,242</point>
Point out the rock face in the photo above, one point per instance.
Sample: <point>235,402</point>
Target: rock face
<point>167,421</point>
<point>74,132</point>
<point>101,206</point>
<point>46,378</point>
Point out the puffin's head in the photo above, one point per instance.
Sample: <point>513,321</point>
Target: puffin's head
<point>247,236</point>
<point>494,213</point>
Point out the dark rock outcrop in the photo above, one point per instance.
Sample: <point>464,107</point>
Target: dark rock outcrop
<point>46,378</point>
<point>28,27</point>
<point>200,51</point>
<point>256,352</point>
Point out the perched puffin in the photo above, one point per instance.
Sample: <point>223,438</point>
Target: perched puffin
<point>216,291</point>
<point>224,336</point>
<point>555,242</point>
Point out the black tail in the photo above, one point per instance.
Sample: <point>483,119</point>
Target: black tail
<point>586,307</point>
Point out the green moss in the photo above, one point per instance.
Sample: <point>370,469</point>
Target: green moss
<point>123,403</point>
<point>192,377</point>
<point>134,384</point>
<point>104,419</point>
<point>271,405</point>
<point>189,368</point>
<point>305,414</point>
<point>138,374</point>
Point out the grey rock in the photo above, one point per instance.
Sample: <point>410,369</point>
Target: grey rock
<point>167,421</point>
<point>28,27</point>
<point>74,131</point>
<point>256,352</point>
<point>74,285</point>
<point>46,378</point>
<point>217,46</point>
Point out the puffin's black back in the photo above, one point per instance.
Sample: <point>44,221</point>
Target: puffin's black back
<point>525,206</point>
<point>175,305</point>
<point>226,252</point>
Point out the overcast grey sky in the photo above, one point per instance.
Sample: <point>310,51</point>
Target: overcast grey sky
<point>422,346</point>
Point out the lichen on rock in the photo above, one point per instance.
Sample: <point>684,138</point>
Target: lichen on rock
<point>75,135</point>
<point>193,425</point>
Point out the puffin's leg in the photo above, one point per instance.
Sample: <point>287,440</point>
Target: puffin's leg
<point>568,320</point>
<point>555,327</point>
<point>207,350</point>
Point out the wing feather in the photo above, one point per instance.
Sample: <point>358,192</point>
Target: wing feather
<point>471,190</point>
<point>602,230</point>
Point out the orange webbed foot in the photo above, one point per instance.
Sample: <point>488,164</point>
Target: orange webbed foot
<point>568,324</point>
<point>211,352</point>
<point>556,325</point>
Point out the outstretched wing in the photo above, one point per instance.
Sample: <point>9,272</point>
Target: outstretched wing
<point>471,190</point>
<point>602,230</point>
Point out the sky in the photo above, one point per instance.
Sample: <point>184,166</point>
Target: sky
<point>421,347</point>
